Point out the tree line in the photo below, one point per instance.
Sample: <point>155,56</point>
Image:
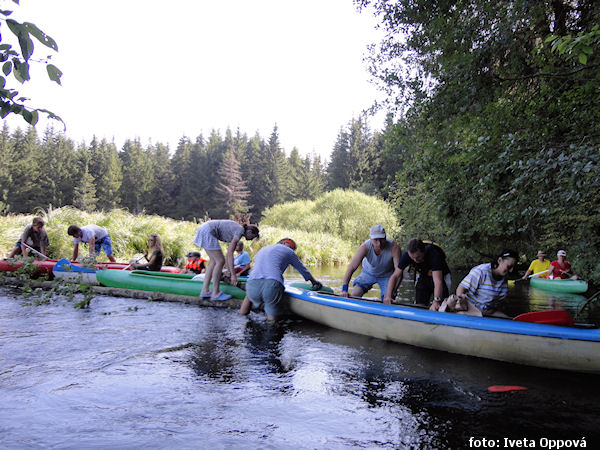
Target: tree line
<point>220,176</point>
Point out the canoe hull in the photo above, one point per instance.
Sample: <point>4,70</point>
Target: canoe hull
<point>142,280</point>
<point>532,344</point>
<point>567,286</point>
<point>46,266</point>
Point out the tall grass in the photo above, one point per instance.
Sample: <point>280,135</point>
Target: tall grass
<point>129,236</point>
<point>347,215</point>
<point>128,233</point>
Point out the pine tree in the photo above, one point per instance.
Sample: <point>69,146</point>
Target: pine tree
<point>160,194</point>
<point>7,162</point>
<point>232,192</point>
<point>137,176</point>
<point>59,160</point>
<point>338,169</point>
<point>84,197</point>
<point>105,167</point>
<point>26,172</point>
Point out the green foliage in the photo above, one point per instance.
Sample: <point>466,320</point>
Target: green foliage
<point>346,214</point>
<point>16,60</point>
<point>498,134</point>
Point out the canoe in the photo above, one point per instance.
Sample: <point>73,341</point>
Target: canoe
<point>533,344</point>
<point>167,283</point>
<point>46,266</point>
<point>556,285</point>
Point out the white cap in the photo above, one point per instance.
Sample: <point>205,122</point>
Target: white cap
<point>561,253</point>
<point>377,232</point>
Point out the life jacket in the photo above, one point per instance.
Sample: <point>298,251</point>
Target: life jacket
<point>195,265</point>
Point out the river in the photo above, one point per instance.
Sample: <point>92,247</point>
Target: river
<point>127,373</point>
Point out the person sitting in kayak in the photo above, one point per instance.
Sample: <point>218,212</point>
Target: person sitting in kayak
<point>431,272</point>
<point>157,254</point>
<point>540,266</point>
<point>484,289</point>
<point>241,261</point>
<point>265,283</point>
<point>379,255</point>
<point>561,268</point>
<point>33,236</point>
<point>97,238</point>
<point>195,263</point>
<point>208,236</point>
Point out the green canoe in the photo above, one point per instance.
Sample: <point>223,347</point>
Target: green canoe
<point>168,283</point>
<point>568,285</point>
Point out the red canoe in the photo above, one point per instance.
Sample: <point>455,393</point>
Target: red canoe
<point>46,266</point>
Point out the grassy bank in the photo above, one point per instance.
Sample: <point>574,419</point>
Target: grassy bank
<point>129,235</point>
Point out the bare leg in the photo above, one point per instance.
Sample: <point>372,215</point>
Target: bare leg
<point>217,260</point>
<point>13,252</point>
<point>246,306</point>
<point>111,258</point>
<point>357,291</point>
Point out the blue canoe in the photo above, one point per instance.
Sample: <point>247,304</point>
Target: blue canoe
<point>533,344</point>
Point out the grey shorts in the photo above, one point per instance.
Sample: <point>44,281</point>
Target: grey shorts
<point>269,292</point>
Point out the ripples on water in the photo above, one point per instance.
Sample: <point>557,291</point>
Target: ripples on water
<point>129,374</point>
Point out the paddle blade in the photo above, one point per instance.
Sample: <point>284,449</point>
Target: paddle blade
<point>500,388</point>
<point>551,317</point>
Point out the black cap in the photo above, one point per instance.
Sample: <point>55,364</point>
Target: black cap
<point>193,254</point>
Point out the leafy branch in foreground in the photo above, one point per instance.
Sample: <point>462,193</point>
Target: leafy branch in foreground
<point>15,60</point>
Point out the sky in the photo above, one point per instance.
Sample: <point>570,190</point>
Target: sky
<point>160,70</point>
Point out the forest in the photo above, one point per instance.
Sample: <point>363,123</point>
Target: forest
<point>491,140</point>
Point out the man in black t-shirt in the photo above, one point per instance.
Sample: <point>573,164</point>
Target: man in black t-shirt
<point>432,273</point>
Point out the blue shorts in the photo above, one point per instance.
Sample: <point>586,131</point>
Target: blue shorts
<point>103,244</point>
<point>366,281</point>
<point>269,292</point>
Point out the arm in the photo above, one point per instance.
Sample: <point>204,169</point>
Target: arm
<point>92,245</point>
<point>393,284</point>
<point>526,274</point>
<point>438,289</point>
<point>75,251</point>
<point>361,252</point>
<point>461,290</point>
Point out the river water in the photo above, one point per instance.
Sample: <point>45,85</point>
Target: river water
<point>127,373</point>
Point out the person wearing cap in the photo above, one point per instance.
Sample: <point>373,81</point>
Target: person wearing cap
<point>432,274</point>
<point>265,283</point>
<point>539,267</point>
<point>208,236</point>
<point>34,236</point>
<point>561,268</point>
<point>378,255</point>
<point>195,263</point>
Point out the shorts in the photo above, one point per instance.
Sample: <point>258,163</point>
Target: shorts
<point>366,281</point>
<point>205,239</point>
<point>103,244</point>
<point>269,292</point>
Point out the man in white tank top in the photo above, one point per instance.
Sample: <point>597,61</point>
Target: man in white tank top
<point>379,256</point>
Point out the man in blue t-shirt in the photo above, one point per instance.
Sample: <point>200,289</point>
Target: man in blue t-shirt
<point>432,273</point>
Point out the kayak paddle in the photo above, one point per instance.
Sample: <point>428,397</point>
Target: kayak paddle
<point>551,317</point>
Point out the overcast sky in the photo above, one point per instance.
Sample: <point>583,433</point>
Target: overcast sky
<point>159,70</point>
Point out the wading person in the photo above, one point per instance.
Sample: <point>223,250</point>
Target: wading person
<point>33,236</point>
<point>379,256</point>
<point>431,272</point>
<point>96,237</point>
<point>207,237</point>
<point>265,283</point>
